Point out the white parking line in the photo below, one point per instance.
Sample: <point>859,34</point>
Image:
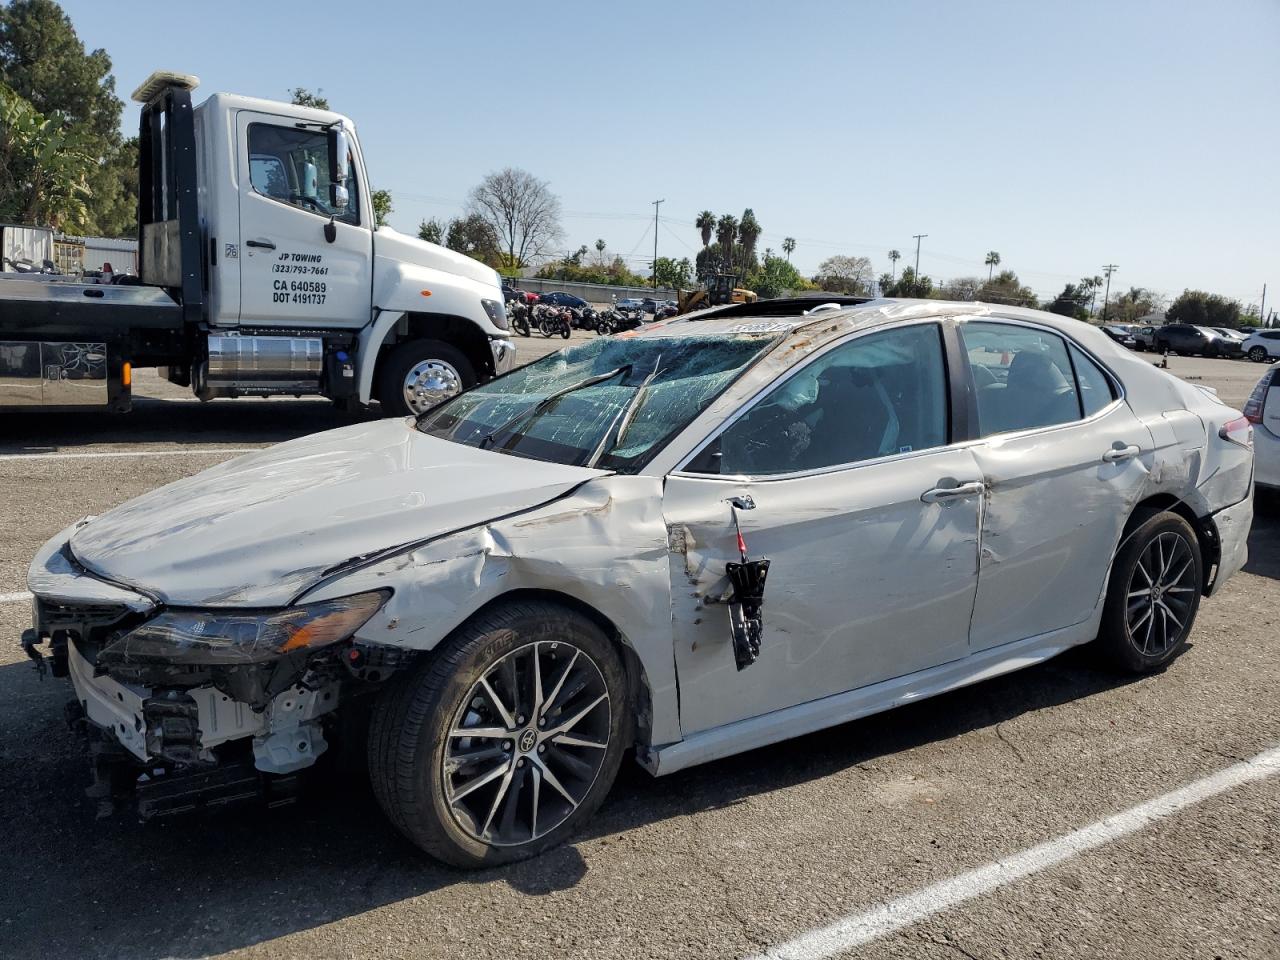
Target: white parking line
<point>858,929</point>
<point>18,597</point>
<point>188,452</point>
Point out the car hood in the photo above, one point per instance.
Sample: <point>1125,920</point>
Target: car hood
<point>260,529</point>
<point>403,248</point>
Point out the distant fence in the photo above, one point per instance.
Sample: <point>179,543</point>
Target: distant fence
<point>591,292</point>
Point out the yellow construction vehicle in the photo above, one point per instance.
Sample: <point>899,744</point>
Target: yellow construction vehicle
<point>716,291</point>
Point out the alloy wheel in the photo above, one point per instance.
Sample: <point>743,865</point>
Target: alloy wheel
<point>527,744</point>
<point>1161,594</point>
<point>430,383</point>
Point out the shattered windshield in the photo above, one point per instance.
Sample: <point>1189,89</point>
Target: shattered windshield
<point>610,403</point>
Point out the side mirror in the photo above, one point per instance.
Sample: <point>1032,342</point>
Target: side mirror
<point>339,151</point>
<point>338,198</point>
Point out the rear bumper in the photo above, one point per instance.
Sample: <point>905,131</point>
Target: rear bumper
<point>1266,457</point>
<point>1232,525</point>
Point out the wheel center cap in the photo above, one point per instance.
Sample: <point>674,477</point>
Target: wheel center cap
<point>528,740</point>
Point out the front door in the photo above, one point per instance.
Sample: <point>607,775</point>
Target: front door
<point>1063,459</point>
<point>290,275</point>
<point>869,520</point>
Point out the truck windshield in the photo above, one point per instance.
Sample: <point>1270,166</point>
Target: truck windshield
<point>611,403</point>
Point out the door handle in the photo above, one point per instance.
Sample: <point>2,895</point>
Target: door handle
<point>262,244</point>
<point>941,494</point>
<point>1121,452</point>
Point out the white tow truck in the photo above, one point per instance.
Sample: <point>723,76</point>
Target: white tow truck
<point>261,272</point>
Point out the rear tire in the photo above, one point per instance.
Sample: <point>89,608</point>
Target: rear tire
<point>439,371</point>
<point>1152,596</point>
<point>1258,354</point>
<point>490,798</point>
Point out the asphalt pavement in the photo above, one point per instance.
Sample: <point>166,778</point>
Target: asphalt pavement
<point>935,806</point>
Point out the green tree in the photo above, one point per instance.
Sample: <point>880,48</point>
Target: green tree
<point>1071,302</point>
<point>302,97</point>
<point>991,262</point>
<point>706,224</point>
<point>431,231</point>
<point>726,234</point>
<point>788,247</point>
<point>1204,309</point>
<point>909,285</point>
<point>894,257</point>
<point>381,200</point>
<point>473,236</point>
<point>672,273</point>
<point>43,164</point>
<point>749,231</point>
<point>775,277</point>
<point>44,62</point>
<point>1007,289</point>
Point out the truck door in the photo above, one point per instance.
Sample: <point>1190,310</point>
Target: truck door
<point>290,274</point>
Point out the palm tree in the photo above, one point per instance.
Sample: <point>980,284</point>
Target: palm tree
<point>749,231</point>
<point>705,223</point>
<point>788,247</point>
<point>992,261</point>
<point>726,233</point>
<point>894,257</point>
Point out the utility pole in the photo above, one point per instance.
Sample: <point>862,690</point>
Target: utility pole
<point>1108,269</point>
<point>656,204</point>
<point>918,237</point>
<point>1262,310</point>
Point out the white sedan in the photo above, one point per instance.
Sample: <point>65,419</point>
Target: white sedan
<point>724,530</point>
<point>1263,410</point>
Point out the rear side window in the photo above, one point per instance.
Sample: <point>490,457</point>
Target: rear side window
<point>1094,386</point>
<point>1023,377</point>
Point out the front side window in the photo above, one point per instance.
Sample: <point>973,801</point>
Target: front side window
<point>613,402</point>
<point>1022,375</point>
<point>291,165</point>
<point>876,396</point>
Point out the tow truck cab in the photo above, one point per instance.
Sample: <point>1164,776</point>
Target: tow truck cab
<point>256,222</point>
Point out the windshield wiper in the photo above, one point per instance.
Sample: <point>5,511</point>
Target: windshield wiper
<point>623,420</point>
<point>546,401</point>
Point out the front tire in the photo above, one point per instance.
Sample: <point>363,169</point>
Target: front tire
<point>505,740</point>
<point>1258,354</point>
<point>1153,595</point>
<point>420,374</point>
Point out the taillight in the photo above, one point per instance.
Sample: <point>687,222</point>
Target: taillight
<point>1257,400</point>
<point>1239,430</point>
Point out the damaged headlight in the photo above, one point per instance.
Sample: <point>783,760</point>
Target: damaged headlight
<point>229,637</point>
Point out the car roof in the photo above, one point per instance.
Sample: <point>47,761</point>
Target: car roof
<point>817,320</point>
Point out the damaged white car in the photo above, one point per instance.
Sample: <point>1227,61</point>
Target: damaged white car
<point>716,533</point>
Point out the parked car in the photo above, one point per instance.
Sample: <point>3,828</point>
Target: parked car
<point>1262,345</point>
<point>1120,335</point>
<point>1189,339</point>
<point>514,293</point>
<point>1263,410</point>
<point>1144,338</point>
<point>558,299</point>
<point>615,547</point>
<point>630,303</point>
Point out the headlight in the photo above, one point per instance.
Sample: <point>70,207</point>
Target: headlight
<point>497,313</point>
<point>228,637</point>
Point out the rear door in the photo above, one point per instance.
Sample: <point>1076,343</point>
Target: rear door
<point>1062,457</point>
<point>290,274</point>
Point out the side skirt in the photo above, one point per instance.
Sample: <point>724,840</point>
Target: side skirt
<point>803,718</point>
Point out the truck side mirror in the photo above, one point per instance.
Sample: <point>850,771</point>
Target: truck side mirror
<point>338,198</point>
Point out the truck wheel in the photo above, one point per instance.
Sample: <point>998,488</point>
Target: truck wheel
<point>419,374</point>
<point>506,739</point>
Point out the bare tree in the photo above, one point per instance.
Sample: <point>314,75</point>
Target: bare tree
<point>522,211</point>
<point>841,274</point>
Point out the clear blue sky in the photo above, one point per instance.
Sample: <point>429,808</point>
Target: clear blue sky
<point>1063,135</point>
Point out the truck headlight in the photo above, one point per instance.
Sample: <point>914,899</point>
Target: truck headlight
<point>497,312</point>
<point>230,637</point>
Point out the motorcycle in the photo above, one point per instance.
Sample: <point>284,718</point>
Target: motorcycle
<point>585,318</point>
<point>554,320</point>
<point>518,311</point>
